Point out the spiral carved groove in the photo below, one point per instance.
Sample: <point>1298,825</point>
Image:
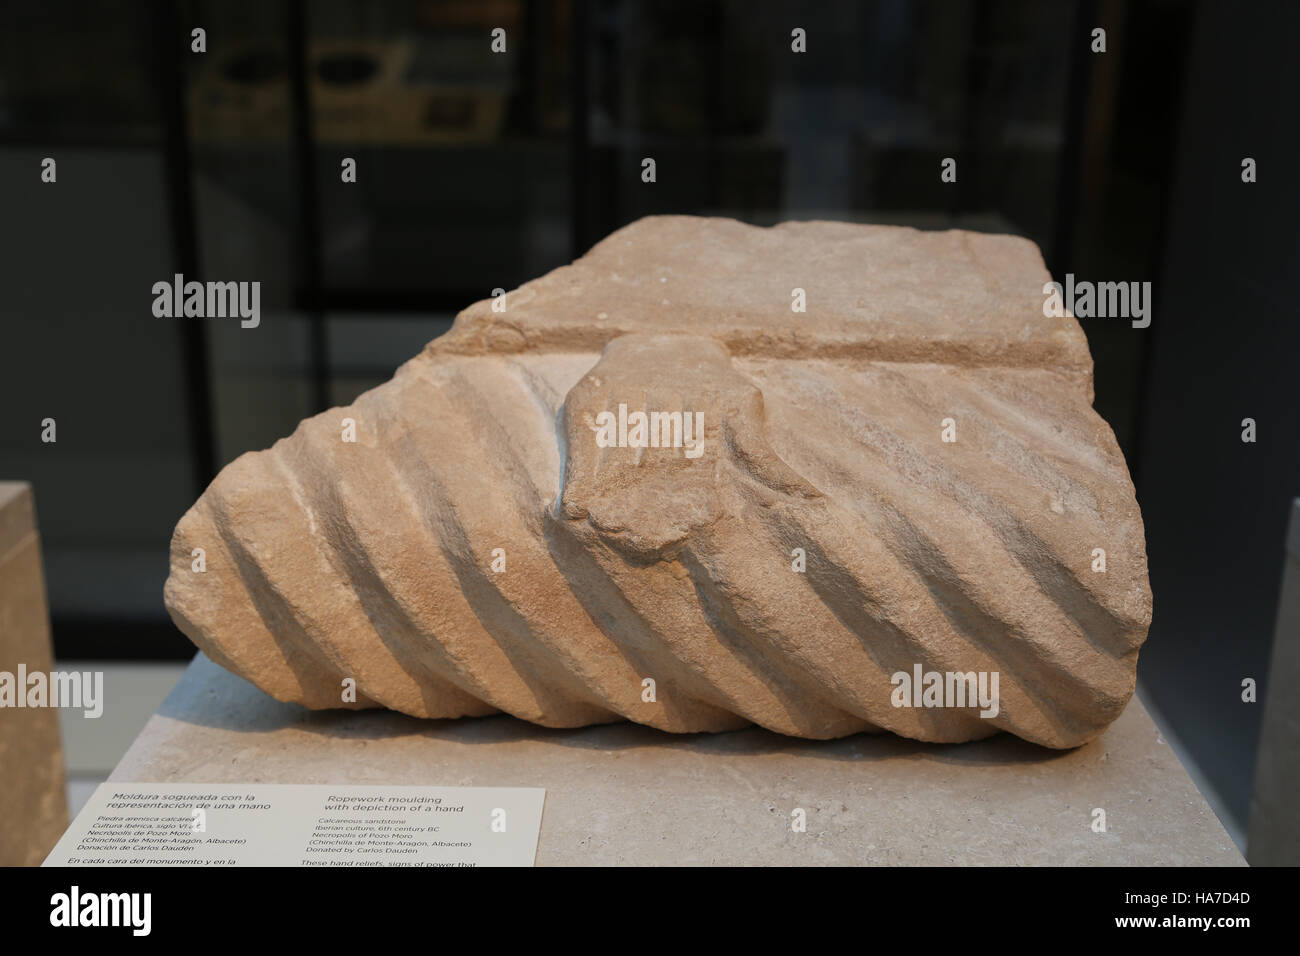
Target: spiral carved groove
<point>478,549</point>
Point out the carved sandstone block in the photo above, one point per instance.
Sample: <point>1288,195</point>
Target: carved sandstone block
<point>644,486</point>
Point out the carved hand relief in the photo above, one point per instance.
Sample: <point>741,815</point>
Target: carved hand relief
<point>649,488</point>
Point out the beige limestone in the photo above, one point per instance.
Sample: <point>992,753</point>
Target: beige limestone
<point>379,560</point>
<point>33,801</point>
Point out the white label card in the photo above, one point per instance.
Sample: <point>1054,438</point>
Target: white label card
<point>265,824</point>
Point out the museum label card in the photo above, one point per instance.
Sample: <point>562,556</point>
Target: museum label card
<point>262,824</point>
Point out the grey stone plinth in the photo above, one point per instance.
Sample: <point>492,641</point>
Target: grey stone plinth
<point>624,794</point>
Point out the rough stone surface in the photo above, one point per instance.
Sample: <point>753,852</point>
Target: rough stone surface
<point>33,804</point>
<point>376,559</point>
<point>627,795</point>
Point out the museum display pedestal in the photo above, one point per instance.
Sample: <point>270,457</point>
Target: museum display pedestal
<point>625,794</point>
<point>33,805</point>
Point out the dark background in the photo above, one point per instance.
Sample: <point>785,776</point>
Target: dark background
<point>478,171</point>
